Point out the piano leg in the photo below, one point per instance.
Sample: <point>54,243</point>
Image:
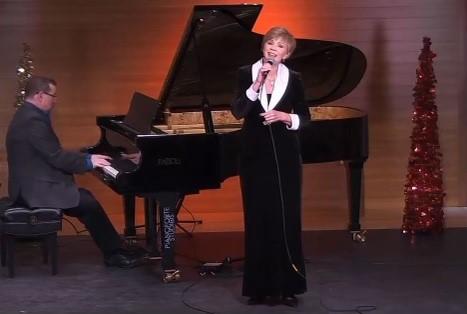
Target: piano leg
<point>354,180</point>
<point>129,214</point>
<point>150,213</point>
<point>168,207</point>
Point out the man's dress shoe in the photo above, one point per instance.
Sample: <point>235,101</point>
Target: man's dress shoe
<point>291,301</point>
<point>255,300</point>
<point>123,260</point>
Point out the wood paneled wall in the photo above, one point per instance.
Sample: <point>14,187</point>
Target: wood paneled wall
<point>102,51</point>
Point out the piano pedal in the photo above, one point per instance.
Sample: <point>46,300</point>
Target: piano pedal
<point>131,240</point>
<point>154,256</point>
<point>171,275</point>
<point>359,236</point>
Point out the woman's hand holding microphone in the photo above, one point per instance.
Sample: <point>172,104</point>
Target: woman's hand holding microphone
<point>276,116</point>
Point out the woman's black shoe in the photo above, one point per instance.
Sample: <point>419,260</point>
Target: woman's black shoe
<point>255,300</point>
<point>291,301</point>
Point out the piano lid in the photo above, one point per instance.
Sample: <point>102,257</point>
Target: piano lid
<point>218,40</point>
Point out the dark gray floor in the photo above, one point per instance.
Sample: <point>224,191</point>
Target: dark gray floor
<point>394,273</point>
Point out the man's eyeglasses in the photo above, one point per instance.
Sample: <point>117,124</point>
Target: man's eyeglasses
<point>51,95</point>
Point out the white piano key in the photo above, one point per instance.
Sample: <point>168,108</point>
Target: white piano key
<point>111,171</point>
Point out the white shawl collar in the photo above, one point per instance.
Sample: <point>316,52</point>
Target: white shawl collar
<point>280,85</point>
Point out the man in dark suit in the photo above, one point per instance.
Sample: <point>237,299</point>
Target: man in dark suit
<point>41,172</point>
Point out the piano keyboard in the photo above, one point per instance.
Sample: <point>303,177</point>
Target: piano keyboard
<point>111,171</point>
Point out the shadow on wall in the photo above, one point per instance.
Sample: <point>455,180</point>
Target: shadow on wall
<point>378,86</point>
<point>463,126</point>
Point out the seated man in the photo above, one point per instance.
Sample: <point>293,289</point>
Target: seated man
<point>41,172</point>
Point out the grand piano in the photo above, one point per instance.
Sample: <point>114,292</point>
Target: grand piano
<point>188,141</point>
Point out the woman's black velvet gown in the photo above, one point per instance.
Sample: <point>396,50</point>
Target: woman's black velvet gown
<point>271,192</point>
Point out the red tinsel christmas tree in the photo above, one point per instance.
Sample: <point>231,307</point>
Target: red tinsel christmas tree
<point>424,194</point>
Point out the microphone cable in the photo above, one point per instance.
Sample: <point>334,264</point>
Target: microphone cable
<point>281,194</point>
<point>77,231</point>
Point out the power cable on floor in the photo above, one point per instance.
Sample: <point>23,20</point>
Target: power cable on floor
<point>359,309</point>
<point>185,291</point>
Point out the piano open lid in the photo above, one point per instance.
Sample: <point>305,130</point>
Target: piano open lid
<point>218,40</point>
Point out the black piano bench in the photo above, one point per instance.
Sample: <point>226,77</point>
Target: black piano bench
<point>36,224</point>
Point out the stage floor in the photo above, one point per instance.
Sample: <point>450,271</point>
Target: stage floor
<point>389,273</point>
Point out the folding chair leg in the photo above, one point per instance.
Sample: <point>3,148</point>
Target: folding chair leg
<point>45,249</point>
<point>10,255</point>
<point>53,247</point>
<point>3,252</point>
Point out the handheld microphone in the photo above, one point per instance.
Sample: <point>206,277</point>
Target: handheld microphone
<point>264,74</point>
<point>271,62</point>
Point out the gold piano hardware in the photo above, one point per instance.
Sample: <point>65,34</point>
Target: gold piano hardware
<point>171,275</point>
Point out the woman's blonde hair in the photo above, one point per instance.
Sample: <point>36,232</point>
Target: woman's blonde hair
<point>282,33</point>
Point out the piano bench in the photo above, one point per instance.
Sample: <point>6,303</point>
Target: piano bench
<point>39,224</point>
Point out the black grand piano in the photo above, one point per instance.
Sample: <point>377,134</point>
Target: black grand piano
<point>193,142</point>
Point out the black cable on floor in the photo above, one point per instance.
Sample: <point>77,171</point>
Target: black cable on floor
<point>359,309</point>
<point>223,274</point>
<point>189,305</point>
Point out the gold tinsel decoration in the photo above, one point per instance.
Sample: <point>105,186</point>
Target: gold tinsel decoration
<point>24,72</point>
